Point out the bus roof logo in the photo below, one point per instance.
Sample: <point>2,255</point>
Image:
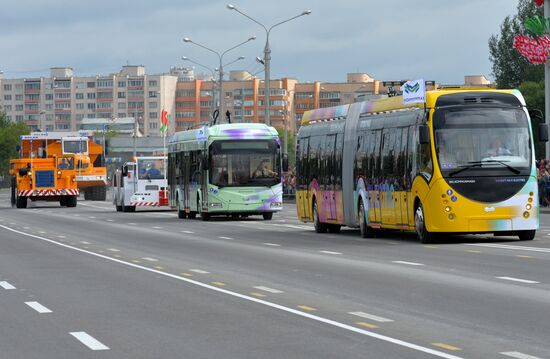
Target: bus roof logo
<point>414,91</point>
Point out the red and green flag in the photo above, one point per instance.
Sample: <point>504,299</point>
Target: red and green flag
<point>164,119</point>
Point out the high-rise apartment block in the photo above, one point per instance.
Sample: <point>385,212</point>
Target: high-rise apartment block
<point>61,101</point>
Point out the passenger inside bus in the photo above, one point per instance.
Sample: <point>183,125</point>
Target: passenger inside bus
<point>263,171</point>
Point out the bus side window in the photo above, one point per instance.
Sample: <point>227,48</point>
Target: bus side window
<point>424,160</point>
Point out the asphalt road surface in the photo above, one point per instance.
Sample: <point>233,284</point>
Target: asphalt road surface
<point>89,282</point>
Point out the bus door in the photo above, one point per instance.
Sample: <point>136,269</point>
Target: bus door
<point>388,198</point>
<point>400,193</point>
<point>304,180</point>
<point>329,195</point>
<point>183,182</point>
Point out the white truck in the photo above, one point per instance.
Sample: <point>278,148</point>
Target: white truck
<point>141,184</point>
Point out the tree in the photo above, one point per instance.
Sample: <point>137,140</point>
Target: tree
<point>9,138</point>
<point>291,138</point>
<point>509,67</point>
<point>533,92</point>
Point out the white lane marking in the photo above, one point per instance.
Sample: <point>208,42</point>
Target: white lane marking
<point>6,285</point>
<point>131,224</point>
<point>113,249</point>
<point>371,317</point>
<point>408,263</point>
<point>158,227</point>
<point>251,299</point>
<point>61,237</point>
<point>519,280</point>
<point>150,259</point>
<point>110,220</point>
<point>84,242</point>
<point>506,246</point>
<point>272,244</point>
<point>330,252</point>
<point>91,217</point>
<point>270,290</point>
<point>188,232</point>
<point>519,355</point>
<point>41,232</point>
<point>26,228</point>
<point>89,341</point>
<point>200,271</point>
<point>38,307</point>
<point>225,237</point>
<point>91,205</point>
<point>76,215</point>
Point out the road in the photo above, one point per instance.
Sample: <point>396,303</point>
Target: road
<point>88,282</point>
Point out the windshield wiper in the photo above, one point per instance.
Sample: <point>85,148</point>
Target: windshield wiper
<point>473,164</point>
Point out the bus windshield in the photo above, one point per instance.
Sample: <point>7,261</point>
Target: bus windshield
<point>482,141</point>
<point>150,168</point>
<point>244,163</point>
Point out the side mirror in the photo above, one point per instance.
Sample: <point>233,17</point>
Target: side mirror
<point>285,162</point>
<point>543,132</point>
<point>23,171</point>
<point>423,134</point>
<point>124,171</point>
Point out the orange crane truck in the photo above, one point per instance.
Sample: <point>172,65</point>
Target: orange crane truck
<point>38,177</point>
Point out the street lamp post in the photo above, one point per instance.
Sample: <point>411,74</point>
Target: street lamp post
<point>220,57</point>
<point>267,54</point>
<point>213,72</point>
<point>285,141</point>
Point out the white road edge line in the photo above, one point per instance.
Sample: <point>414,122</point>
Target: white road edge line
<point>6,285</point>
<point>253,299</point>
<point>187,232</point>
<point>89,341</point>
<point>506,246</point>
<point>38,307</point>
<point>408,263</point>
<point>371,317</point>
<point>270,290</point>
<point>519,355</point>
<point>519,280</point>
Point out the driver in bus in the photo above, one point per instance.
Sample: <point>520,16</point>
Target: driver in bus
<point>263,171</point>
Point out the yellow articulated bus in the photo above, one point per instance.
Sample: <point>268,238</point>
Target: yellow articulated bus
<point>461,162</point>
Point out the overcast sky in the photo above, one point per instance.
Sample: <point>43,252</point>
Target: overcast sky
<point>440,40</point>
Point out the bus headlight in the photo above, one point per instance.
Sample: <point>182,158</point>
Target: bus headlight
<point>447,209</point>
<point>528,206</point>
<point>276,204</point>
<point>525,214</point>
<point>216,205</point>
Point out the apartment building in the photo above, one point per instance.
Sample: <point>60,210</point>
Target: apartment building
<point>61,101</point>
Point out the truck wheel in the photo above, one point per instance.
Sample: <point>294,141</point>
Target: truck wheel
<point>87,194</point>
<point>13,191</point>
<point>267,215</point>
<point>526,235</point>
<point>21,202</point>
<point>71,201</point>
<point>129,208</point>
<point>101,193</point>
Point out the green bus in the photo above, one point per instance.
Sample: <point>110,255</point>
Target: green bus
<point>229,169</point>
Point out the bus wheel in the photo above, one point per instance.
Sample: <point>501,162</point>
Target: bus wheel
<point>366,231</point>
<point>319,226</point>
<point>13,189</point>
<point>205,216</point>
<point>192,215</point>
<point>526,235</point>
<point>334,228</point>
<point>181,213</point>
<point>419,220</point>
<point>267,215</point>
<point>129,208</point>
<point>118,208</point>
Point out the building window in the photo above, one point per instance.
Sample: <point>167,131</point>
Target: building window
<point>18,107</point>
<point>91,95</point>
<point>80,106</point>
<point>19,118</point>
<point>49,106</point>
<point>153,114</point>
<point>153,94</point>
<point>206,103</point>
<point>122,105</point>
<point>79,96</point>
<point>19,86</point>
<point>153,83</point>
<point>32,85</point>
<point>104,83</point>
<point>91,85</point>
<point>105,94</point>
<point>104,105</point>
<point>185,114</point>
<point>185,104</point>
<point>153,125</point>
<point>153,105</point>
<point>7,107</point>
<point>134,94</point>
<point>62,95</point>
<point>121,95</point>
<point>91,106</point>
<point>122,84</point>
<point>121,114</point>
<point>80,85</point>
<point>63,106</point>
<point>79,116</point>
<point>7,97</point>
<point>135,83</point>
<point>18,97</point>
<point>7,87</point>
<point>190,93</point>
